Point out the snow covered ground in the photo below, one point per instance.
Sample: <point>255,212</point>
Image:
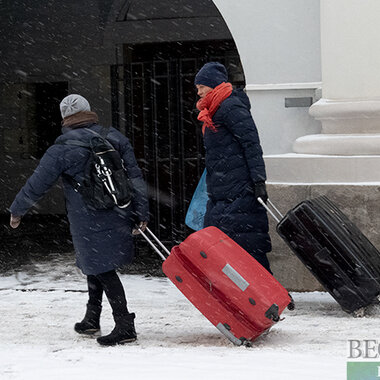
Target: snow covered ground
<point>39,306</point>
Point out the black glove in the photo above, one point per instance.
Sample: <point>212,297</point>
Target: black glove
<point>261,191</point>
<point>142,226</point>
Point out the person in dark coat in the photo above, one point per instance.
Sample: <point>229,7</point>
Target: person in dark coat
<point>102,239</point>
<point>234,163</point>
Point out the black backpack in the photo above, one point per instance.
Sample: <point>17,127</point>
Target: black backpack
<point>105,183</point>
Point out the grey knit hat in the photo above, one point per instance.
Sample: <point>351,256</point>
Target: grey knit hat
<point>72,104</point>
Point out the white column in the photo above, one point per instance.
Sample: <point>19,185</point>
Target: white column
<point>350,106</point>
<point>279,62</point>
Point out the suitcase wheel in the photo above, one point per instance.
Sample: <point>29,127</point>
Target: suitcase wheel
<point>359,313</point>
<point>246,343</point>
<point>291,305</point>
<point>272,313</point>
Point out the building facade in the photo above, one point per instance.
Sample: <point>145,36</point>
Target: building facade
<point>135,62</point>
<point>309,71</point>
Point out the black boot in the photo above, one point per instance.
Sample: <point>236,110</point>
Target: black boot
<point>90,323</point>
<point>124,331</point>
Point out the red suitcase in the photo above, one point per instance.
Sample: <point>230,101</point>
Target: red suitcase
<point>226,284</point>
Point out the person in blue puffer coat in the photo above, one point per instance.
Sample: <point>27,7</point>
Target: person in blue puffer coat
<point>234,163</point>
<point>102,239</point>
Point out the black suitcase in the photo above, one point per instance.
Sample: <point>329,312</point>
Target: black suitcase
<point>335,251</point>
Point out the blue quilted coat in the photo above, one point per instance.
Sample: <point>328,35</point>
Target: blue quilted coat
<point>102,238</point>
<point>234,162</point>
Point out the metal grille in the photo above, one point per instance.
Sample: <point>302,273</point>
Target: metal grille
<point>153,104</point>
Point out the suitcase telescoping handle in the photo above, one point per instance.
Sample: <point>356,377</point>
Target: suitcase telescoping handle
<point>272,211</point>
<point>146,237</point>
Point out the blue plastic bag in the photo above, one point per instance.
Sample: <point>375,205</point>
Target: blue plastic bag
<point>197,209</point>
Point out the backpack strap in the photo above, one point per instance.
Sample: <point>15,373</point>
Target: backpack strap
<point>103,132</point>
<point>103,135</point>
<point>75,184</point>
<point>74,142</point>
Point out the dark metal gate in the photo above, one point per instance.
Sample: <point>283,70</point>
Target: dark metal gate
<point>153,102</point>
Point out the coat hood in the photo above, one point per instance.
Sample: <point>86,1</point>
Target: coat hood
<point>239,93</point>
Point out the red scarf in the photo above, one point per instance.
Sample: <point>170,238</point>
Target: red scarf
<point>210,104</point>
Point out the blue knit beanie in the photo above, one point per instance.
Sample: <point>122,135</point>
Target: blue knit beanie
<point>212,74</point>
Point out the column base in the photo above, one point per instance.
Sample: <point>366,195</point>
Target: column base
<point>338,144</point>
<point>349,127</point>
<point>318,169</point>
<point>346,116</point>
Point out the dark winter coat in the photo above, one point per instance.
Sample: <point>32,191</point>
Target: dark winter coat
<point>234,162</point>
<point>102,238</point>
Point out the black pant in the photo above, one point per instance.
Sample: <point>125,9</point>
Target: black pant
<point>110,283</point>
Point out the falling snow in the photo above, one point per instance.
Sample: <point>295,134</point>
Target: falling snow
<point>40,304</point>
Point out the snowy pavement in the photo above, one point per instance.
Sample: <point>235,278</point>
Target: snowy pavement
<point>40,306</point>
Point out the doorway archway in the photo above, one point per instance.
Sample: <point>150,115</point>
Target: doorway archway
<point>158,51</point>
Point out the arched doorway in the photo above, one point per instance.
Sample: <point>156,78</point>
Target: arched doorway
<point>153,99</point>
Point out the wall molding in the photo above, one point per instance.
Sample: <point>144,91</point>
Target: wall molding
<point>283,86</point>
